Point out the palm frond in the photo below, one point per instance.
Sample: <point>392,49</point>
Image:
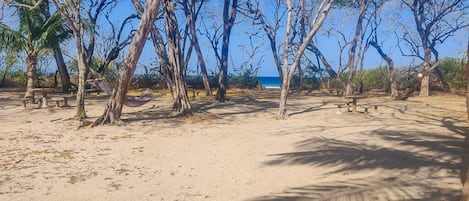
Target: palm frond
<point>11,39</point>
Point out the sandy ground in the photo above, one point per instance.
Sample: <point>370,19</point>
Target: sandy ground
<point>409,150</point>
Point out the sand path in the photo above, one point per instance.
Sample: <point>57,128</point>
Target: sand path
<point>236,150</point>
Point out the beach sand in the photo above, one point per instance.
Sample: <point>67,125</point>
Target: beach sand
<point>238,150</point>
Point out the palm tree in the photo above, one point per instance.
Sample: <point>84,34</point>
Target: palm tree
<point>35,33</point>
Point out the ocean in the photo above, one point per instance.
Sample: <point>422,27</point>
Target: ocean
<point>270,82</point>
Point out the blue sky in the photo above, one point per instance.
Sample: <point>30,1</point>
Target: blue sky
<point>337,19</point>
<point>453,47</point>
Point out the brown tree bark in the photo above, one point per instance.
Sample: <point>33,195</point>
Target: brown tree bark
<point>229,17</point>
<point>467,81</point>
<point>181,102</point>
<point>31,66</point>
<point>192,13</point>
<point>465,174</point>
<point>62,68</point>
<point>113,109</point>
<point>73,16</point>
<point>59,59</point>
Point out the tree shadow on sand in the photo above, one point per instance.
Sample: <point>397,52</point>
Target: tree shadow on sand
<point>409,154</point>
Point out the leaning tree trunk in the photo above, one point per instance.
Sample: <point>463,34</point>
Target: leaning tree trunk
<point>31,64</point>
<point>392,73</point>
<point>288,73</point>
<point>228,22</point>
<point>195,42</point>
<point>181,102</point>
<point>113,109</point>
<point>312,47</point>
<point>351,61</point>
<point>62,68</point>
<point>467,81</point>
<point>465,169</point>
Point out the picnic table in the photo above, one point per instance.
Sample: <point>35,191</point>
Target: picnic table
<point>354,101</point>
<point>44,92</point>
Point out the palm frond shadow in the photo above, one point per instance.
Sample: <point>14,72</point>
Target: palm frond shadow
<point>365,189</point>
<point>409,153</point>
<point>361,156</point>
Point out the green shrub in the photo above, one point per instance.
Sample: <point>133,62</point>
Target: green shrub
<point>244,81</point>
<point>377,78</point>
<point>453,71</point>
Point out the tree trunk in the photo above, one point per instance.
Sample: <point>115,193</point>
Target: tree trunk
<point>113,109</point>
<point>465,162</point>
<point>228,22</point>
<point>160,49</point>
<point>191,13</point>
<point>59,59</point>
<point>392,73</point>
<point>31,65</point>
<point>82,76</point>
<point>282,109</point>
<point>323,59</point>
<point>351,60</point>
<point>181,102</point>
<point>288,73</point>
<point>62,68</point>
<point>467,81</point>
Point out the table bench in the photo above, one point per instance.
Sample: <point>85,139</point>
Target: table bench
<point>354,101</point>
<point>366,107</point>
<point>343,104</point>
<point>60,99</point>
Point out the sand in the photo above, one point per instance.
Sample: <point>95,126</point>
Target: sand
<point>408,150</point>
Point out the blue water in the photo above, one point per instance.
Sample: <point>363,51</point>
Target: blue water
<point>270,82</point>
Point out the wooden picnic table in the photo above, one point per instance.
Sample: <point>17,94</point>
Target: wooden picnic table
<point>354,101</point>
<point>44,92</point>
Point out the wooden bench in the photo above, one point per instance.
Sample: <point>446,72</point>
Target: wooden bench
<point>375,107</point>
<point>366,107</point>
<point>89,91</point>
<point>340,105</point>
<point>57,101</point>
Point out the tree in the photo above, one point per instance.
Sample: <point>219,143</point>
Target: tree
<point>253,10</point>
<point>113,109</point>
<point>192,12</point>
<point>73,13</point>
<point>289,70</point>
<point>8,60</point>
<point>54,42</point>
<point>467,79</point>
<point>176,60</point>
<point>35,30</point>
<point>435,21</point>
<point>353,47</point>
<point>116,41</point>
<point>229,17</point>
<point>465,180</point>
<point>374,42</point>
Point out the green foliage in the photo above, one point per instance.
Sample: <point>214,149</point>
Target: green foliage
<point>377,78</point>
<point>151,78</point>
<point>453,71</point>
<point>244,81</point>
